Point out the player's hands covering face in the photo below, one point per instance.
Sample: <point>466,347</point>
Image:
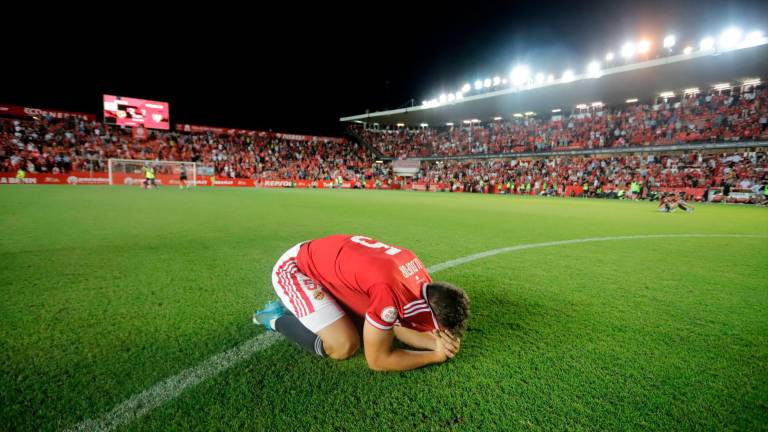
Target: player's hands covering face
<point>446,344</point>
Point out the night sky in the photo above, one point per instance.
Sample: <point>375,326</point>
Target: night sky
<point>298,68</point>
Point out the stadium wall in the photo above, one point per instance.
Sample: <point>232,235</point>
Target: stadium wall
<point>99,178</point>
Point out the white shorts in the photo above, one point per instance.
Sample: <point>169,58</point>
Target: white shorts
<point>304,297</point>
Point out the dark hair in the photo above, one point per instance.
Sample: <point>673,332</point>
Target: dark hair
<point>450,305</point>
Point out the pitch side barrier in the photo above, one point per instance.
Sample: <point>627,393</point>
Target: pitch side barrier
<point>604,151</point>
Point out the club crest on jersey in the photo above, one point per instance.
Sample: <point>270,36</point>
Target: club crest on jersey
<point>319,295</point>
<point>389,314</point>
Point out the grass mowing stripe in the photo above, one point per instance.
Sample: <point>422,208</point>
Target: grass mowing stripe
<point>144,402</point>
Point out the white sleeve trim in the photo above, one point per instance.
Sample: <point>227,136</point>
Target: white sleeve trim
<point>375,324</point>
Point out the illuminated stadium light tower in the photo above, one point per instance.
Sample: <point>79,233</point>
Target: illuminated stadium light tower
<point>730,38</point>
<point>707,44</point>
<point>644,47</point>
<point>593,70</point>
<point>669,41</point>
<point>519,76</point>
<point>628,50</point>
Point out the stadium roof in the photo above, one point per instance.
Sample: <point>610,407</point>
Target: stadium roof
<point>615,85</point>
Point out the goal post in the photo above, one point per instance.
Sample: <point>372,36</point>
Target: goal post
<point>131,172</point>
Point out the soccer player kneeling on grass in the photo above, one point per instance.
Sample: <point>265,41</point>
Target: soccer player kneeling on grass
<point>323,284</point>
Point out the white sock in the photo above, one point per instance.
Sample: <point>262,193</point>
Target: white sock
<point>272,322</point>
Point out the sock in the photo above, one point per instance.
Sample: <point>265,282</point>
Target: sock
<point>293,330</point>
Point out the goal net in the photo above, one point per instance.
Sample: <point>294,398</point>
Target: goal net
<point>168,173</point>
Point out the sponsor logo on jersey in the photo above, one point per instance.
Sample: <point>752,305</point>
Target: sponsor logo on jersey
<point>319,295</point>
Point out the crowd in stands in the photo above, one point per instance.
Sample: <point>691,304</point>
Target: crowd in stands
<point>692,119</point>
<point>596,174</point>
<point>46,145</point>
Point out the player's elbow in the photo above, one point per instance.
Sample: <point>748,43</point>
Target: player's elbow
<point>377,365</point>
<point>375,361</point>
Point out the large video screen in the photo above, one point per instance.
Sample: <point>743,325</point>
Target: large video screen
<point>125,111</point>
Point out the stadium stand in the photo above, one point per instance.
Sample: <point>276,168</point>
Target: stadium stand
<point>692,174</point>
<point>695,118</point>
<point>47,145</point>
<point>64,145</point>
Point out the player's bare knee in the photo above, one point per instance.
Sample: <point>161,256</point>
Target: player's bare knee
<point>342,345</point>
<point>340,339</point>
<point>343,349</point>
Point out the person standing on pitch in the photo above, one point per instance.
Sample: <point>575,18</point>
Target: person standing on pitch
<point>183,177</point>
<point>149,177</point>
<point>387,287</point>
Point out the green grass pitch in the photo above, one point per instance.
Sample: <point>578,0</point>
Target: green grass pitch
<point>105,292</point>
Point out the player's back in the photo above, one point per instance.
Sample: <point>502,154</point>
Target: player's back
<point>352,267</point>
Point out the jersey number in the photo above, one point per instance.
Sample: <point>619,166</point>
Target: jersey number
<point>362,240</point>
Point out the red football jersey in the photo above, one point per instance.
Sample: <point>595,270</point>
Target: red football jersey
<point>384,283</point>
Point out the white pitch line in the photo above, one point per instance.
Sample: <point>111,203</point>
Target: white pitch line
<point>141,404</point>
<point>492,252</point>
